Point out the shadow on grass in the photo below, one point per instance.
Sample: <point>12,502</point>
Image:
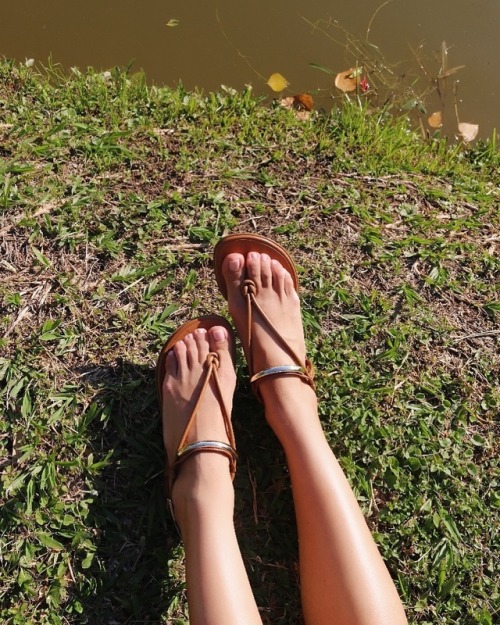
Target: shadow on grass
<point>138,576</point>
<point>136,540</point>
<point>265,519</point>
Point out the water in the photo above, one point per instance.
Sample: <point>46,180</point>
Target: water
<point>232,43</point>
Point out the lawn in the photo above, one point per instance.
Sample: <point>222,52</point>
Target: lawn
<point>112,196</point>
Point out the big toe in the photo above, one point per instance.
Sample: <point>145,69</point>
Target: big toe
<point>233,270</point>
<point>220,343</point>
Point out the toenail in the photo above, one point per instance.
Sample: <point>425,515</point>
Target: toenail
<point>265,258</point>
<point>253,255</point>
<point>234,264</point>
<point>219,336</point>
<point>201,331</point>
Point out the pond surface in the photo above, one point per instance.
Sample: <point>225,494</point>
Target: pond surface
<point>223,42</point>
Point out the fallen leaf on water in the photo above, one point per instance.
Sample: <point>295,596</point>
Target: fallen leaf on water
<point>277,82</point>
<point>172,23</point>
<point>468,131</point>
<point>347,81</point>
<point>435,120</point>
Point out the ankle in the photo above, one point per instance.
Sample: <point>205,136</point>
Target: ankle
<point>202,484</point>
<point>291,407</point>
<point>288,394</point>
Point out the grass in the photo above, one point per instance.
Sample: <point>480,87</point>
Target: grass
<point>112,194</point>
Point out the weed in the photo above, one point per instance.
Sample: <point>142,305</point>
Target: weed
<point>112,194</point>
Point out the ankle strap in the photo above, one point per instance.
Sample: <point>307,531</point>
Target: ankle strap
<point>306,373</point>
<point>206,446</point>
<point>288,369</point>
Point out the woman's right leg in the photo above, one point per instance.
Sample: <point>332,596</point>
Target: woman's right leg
<point>344,580</point>
<point>218,589</point>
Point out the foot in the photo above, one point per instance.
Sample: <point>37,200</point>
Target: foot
<point>184,373</point>
<point>278,299</point>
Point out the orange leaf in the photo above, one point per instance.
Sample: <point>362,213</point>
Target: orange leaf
<point>277,82</point>
<point>468,131</point>
<point>297,104</point>
<point>347,81</point>
<point>435,120</point>
<point>303,101</point>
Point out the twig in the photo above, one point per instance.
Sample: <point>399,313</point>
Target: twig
<point>22,313</point>
<point>254,495</point>
<point>477,335</point>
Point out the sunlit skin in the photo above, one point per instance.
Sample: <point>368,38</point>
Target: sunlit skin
<point>344,580</point>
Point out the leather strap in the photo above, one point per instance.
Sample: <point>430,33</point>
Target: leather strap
<point>185,451</point>
<point>304,370</point>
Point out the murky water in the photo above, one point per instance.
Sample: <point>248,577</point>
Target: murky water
<point>223,42</point>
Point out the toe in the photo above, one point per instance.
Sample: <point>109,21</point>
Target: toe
<point>233,270</point>
<point>191,350</point>
<point>202,346</point>
<point>176,366</point>
<point>254,267</point>
<point>266,276</point>
<point>171,364</point>
<point>218,339</point>
<point>180,352</point>
<point>289,286</point>
<point>279,274</point>
<point>283,281</point>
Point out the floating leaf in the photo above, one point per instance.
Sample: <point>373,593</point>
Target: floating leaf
<point>468,131</point>
<point>435,120</point>
<point>277,82</point>
<point>347,81</point>
<point>172,23</point>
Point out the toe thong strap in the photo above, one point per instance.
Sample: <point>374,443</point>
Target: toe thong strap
<point>304,370</point>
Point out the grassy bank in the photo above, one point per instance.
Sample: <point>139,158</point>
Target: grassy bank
<point>112,194</point>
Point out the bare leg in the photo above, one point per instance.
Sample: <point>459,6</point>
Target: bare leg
<point>217,584</point>
<point>344,580</point>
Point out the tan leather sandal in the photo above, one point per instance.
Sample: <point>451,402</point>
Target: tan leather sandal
<point>243,244</point>
<point>184,450</point>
